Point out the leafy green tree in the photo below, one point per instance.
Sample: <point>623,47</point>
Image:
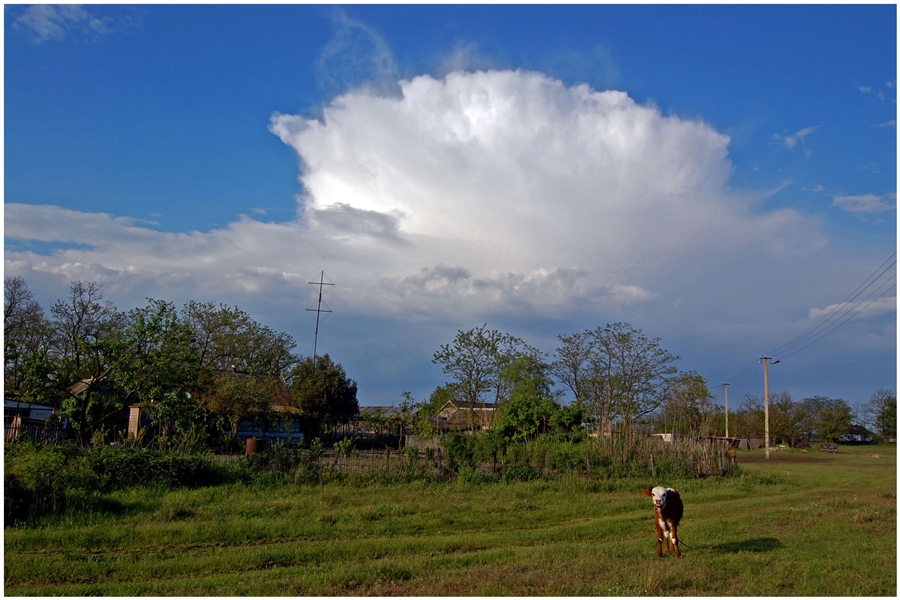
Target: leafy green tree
<point>749,418</point>
<point>156,366</point>
<point>25,332</point>
<point>323,392</point>
<point>83,346</point>
<point>235,396</point>
<point>526,416</point>
<point>568,419</point>
<point>476,360</point>
<point>788,420</point>
<point>881,412</point>
<point>227,338</point>
<point>615,372</point>
<point>830,417</point>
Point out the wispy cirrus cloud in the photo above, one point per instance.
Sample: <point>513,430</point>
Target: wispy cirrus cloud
<point>49,22</point>
<point>792,140</point>
<point>356,55</point>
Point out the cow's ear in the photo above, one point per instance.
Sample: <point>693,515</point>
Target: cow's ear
<point>648,492</point>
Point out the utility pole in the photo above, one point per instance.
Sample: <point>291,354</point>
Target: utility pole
<point>318,310</point>
<point>725,385</point>
<point>766,360</point>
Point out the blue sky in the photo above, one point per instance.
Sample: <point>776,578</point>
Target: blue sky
<point>717,176</point>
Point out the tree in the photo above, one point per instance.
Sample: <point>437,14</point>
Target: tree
<point>476,360</point>
<point>615,372</point>
<point>830,417</point>
<point>155,365</point>
<point>688,405</point>
<point>227,338</point>
<point>635,371</point>
<point>788,420</point>
<point>881,413</point>
<point>235,396</point>
<point>83,327</point>
<point>525,416</point>
<point>25,330</point>
<point>749,418</point>
<point>323,392</point>
<point>572,366</point>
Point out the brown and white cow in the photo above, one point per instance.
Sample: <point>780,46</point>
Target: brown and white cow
<point>668,509</point>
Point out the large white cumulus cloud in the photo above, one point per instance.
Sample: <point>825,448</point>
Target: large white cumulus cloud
<point>491,190</point>
<point>511,176</point>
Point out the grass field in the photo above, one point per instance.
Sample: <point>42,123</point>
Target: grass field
<point>807,524</point>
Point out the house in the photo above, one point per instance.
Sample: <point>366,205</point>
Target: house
<point>456,415</point>
<point>29,418</point>
<point>750,443</point>
<point>283,425</point>
<point>858,434</point>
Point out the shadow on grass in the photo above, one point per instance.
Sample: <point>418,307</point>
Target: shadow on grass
<point>756,545</point>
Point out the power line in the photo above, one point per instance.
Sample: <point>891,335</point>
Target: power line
<point>835,311</point>
<point>847,317</point>
<point>836,317</point>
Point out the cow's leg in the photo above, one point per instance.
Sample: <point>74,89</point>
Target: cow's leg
<point>674,535</point>
<point>659,539</point>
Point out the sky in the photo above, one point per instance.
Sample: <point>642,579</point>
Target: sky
<point>721,177</point>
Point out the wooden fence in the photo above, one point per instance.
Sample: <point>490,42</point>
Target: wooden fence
<point>391,461</point>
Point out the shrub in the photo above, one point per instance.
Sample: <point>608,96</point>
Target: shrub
<point>43,480</point>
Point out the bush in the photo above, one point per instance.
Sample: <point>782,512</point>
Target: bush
<point>44,480</point>
<point>520,473</point>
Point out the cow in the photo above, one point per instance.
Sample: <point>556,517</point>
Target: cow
<point>668,509</point>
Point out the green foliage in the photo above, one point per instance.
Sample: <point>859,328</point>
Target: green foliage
<point>830,417</point>
<point>323,391</point>
<point>616,373</point>
<point>881,412</point>
<point>151,356</point>
<point>460,451</point>
<point>227,338</point>
<point>41,480</point>
<point>344,446</point>
<point>486,365</point>
<point>237,396</point>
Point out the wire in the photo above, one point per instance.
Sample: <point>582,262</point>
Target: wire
<point>847,318</point>
<point>837,308</point>
<point>835,318</point>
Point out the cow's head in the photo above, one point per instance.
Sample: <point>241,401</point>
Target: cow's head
<point>658,494</point>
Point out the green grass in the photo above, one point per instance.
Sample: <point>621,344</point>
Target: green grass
<point>806,524</point>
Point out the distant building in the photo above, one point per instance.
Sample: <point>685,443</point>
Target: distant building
<point>459,416</point>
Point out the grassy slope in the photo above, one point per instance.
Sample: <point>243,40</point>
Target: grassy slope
<point>806,524</point>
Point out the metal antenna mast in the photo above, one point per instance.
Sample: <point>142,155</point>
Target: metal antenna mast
<point>318,310</point>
